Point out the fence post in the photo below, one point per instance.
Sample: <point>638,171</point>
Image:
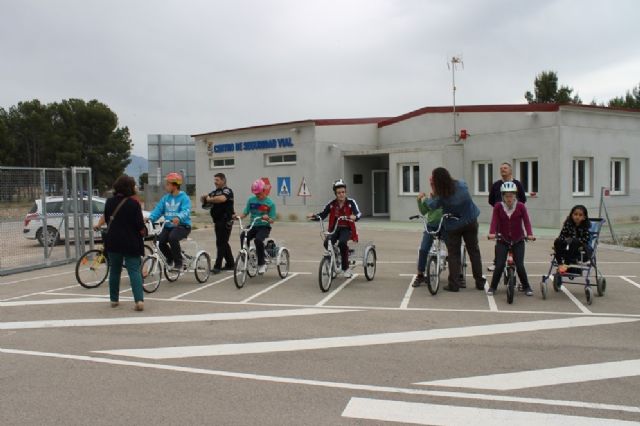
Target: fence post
<point>45,229</point>
<point>65,212</point>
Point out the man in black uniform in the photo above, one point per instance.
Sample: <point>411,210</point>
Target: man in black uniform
<point>220,201</point>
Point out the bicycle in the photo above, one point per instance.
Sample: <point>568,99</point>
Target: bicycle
<point>362,254</point>
<point>92,268</point>
<point>247,259</point>
<point>154,265</point>
<point>509,273</point>
<point>438,259</point>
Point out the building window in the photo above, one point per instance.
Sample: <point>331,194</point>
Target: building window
<point>527,174</point>
<point>280,159</point>
<point>581,176</point>
<point>222,163</point>
<point>483,172</point>
<point>409,179</point>
<point>618,184</point>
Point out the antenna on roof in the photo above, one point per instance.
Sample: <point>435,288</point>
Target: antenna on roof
<point>452,64</point>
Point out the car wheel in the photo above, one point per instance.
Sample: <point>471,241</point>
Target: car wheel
<point>53,237</point>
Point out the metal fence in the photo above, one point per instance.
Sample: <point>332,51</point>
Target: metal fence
<point>46,217</point>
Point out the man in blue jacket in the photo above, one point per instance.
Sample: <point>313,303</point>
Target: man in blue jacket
<point>175,206</point>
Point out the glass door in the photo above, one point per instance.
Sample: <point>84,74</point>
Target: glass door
<point>380,192</point>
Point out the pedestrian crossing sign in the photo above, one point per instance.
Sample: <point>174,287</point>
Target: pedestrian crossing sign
<point>284,186</point>
<point>304,191</point>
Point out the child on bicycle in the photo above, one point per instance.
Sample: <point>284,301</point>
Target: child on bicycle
<point>344,230</point>
<point>509,223</point>
<point>433,221</point>
<point>259,206</point>
<point>574,238</point>
<point>175,206</point>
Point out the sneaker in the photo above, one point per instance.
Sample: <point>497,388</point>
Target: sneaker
<point>463,282</point>
<point>520,287</point>
<point>481,283</point>
<point>419,279</point>
<point>262,269</point>
<point>215,270</point>
<point>528,291</point>
<point>139,306</point>
<point>347,274</point>
<point>176,268</point>
<point>562,269</point>
<point>491,267</point>
<point>491,291</point>
<point>449,288</point>
<point>114,304</point>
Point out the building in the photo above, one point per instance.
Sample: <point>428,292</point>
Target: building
<point>563,154</point>
<point>171,153</point>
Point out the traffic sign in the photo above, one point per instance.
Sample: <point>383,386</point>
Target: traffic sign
<point>304,191</point>
<point>284,186</point>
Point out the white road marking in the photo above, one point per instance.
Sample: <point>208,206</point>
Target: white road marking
<point>331,385</point>
<point>626,278</point>
<point>407,296</point>
<point>433,414</point>
<point>361,340</point>
<point>51,302</point>
<point>200,288</point>
<point>334,292</point>
<point>37,278</point>
<point>271,287</point>
<point>24,296</point>
<point>492,302</point>
<point>575,300</point>
<point>545,377</point>
<point>224,316</point>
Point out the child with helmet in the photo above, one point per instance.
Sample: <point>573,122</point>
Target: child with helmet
<point>175,206</point>
<point>346,230</point>
<point>510,219</point>
<point>259,206</point>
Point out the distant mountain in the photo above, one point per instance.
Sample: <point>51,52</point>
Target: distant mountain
<point>137,166</point>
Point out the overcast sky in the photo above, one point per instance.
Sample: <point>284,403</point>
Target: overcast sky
<point>194,66</point>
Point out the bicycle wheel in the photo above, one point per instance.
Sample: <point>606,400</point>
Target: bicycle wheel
<point>240,270</point>
<point>92,268</point>
<point>151,274</point>
<point>148,250</point>
<point>325,274</point>
<point>202,267</point>
<point>283,263</point>
<point>433,275</point>
<point>252,264</point>
<point>370,259</point>
<point>171,274</point>
<point>511,285</point>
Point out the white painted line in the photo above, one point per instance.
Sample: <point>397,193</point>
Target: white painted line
<point>37,278</point>
<point>575,300</point>
<point>626,278</point>
<point>200,288</point>
<point>224,316</point>
<point>271,287</point>
<point>331,385</point>
<point>545,377</point>
<point>432,414</point>
<point>361,340</point>
<point>334,292</point>
<point>407,296</point>
<point>50,302</point>
<point>40,292</point>
<point>492,302</point>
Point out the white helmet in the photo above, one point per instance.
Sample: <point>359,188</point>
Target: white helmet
<point>508,187</point>
<point>339,184</point>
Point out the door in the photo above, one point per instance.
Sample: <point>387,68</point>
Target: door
<point>380,192</point>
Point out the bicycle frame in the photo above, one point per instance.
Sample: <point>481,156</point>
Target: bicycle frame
<point>334,250</point>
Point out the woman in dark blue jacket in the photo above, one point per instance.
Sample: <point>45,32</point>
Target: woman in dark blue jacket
<point>453,197</point>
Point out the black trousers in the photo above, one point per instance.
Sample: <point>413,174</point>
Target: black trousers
<point>342,235</point>
<point>169,242</point>
<point>259,234</point>
<point>568,252</point>
<point>454,247</point>
<point>502,250</point>
<point>223,233</point>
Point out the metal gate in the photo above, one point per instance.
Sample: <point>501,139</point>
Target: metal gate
<point>46,217</point>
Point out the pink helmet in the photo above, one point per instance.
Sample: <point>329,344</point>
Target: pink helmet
<point>257,186</point>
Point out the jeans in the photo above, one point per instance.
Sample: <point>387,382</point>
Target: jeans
<point>259,233</point>
<point>501,252</point>
<point>169,242</point>
<point>223,232</point>
<point>342,235</point>
<point>133,264</point>
<point>454,246</point>
<point>425,246</point>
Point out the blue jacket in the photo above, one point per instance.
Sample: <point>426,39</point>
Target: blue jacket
<point>459,204</point>
<point>171,206</point>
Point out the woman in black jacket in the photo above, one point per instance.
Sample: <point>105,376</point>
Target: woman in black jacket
<point>124,239</point>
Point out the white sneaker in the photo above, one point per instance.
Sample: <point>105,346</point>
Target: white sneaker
<point>491,267</point>
<point>347,274</point>
<point>262,269</point>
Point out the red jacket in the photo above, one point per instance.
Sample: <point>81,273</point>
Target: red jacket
<point>512,227</point>
<point>350,207</point>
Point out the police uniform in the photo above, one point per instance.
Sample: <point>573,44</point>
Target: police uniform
<point>222,215</point>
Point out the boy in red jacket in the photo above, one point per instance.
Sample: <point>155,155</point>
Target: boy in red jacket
<point>510,220</point>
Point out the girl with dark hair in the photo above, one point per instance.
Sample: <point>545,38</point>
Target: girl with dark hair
<point>123,241</point>
<point>453,197</point>
<point>573,239</point>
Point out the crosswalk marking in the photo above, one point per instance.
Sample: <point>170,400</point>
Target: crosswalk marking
<point>545,377</point>
<point>434,414</point>
<point>362,340</point>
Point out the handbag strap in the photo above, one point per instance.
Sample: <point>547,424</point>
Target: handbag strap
<point>115,212</point>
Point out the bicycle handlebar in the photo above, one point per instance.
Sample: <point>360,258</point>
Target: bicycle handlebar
<point>437,231</point>
<point>338,219</point>
<point>500,237</point>
<point>253,222</point>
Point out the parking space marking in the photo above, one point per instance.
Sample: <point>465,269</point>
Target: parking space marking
<point>575,300</point>
<point>626,278</point>
<point>200,288</point>
<point>37,278</point>
<point>330,385</point>
<point>334,292</point>
<point>545,376</point>
<point>362,340</point>
<point>407,296</point>
<point>271,287</point>
<point>493,307</point>
<point>222,316</point>
<point>434,414</point>
<point>50,302</point>
<point>24,296</point>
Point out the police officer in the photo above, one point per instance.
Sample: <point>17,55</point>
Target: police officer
<point>220,200</point>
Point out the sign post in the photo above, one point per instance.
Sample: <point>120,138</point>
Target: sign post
<point>284,188</point>
<point>304,191</point>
